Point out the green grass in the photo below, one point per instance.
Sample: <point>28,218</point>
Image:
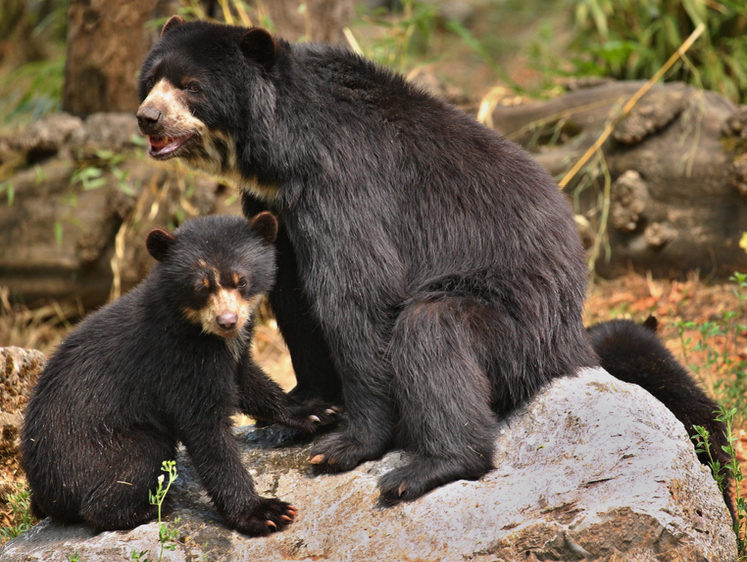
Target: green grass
<point>21,518</point>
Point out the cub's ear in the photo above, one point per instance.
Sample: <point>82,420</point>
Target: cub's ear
<point>258,45</point>
<point>158,242</point>
<point>651,323</point>
<point>172,23</point>
<point>266,225</point>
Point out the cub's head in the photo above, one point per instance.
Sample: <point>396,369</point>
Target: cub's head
<point>201,88</point>
<point>214,270</point>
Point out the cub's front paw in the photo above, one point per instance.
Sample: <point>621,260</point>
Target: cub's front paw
<point>310,416</point>
<point>269,516</point>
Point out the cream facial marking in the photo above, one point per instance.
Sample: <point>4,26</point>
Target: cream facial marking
<point>225,313</point>
<point>167,120</point>
<point>165,117</point>
<point>173,131</point>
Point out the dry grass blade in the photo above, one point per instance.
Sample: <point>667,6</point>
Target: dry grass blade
<point>40,328</point>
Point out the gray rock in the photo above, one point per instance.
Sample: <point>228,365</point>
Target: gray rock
<point>654,112</point>
<point>593,468</point>
<point>48,135</point>
<point>18,371</point>
<point>61,238</point>
<point>105,131</point>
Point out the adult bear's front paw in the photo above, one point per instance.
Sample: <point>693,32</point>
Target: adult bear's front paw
<point>269,516</point>
<point>341,452</point>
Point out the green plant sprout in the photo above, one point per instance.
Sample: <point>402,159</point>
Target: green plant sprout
<point>21,519</point>
<point>166,536</point>
<point>703,444</point>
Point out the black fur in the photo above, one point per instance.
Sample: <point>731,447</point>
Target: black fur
<point>633,353</point>
<point>138,376</point>
<point>429,270</point>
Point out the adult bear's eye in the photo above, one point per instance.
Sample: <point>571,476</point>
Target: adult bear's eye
<point>193,87</point>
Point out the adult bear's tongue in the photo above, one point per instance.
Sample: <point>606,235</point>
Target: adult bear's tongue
<point>157,143</point>
<point>162,146</point>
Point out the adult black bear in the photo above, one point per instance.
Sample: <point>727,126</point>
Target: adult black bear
<point>427,266</point>
<point>633,353</point>
<point>167,362</point>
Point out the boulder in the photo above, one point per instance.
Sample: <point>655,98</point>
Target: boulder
<point>593,468</point>
<point>19,369</point>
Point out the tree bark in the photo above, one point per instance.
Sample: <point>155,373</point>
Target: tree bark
<point>106,45</point>
<point>320,20</point>
<point>676,169</point>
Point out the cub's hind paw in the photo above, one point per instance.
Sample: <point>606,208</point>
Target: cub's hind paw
<point>270,516</point>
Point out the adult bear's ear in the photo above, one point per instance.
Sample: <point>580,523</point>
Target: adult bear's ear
<point>266,225</point>
<point>172,23</point>
<point>258,45</point>
<point>159,242</point>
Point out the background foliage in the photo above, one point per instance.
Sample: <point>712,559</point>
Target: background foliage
<point>630,39</point>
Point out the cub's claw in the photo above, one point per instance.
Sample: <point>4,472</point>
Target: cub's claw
<point>309,416</point>
<point>269,516</point>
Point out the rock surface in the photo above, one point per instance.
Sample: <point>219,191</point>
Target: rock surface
<point>592,469</point>
<point>19,369</point>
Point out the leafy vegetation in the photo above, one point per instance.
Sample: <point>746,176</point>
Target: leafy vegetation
<point>633,38</point>
<point>21,519</point>
<point>717,345</point>
<point>733,468</point>
<point>32,38</point>
<point>401,35</point>
<point>166,535</point>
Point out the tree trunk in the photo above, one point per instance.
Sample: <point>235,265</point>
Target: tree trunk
<point>320,20</point>
<point>675,195</point>
<point>105,47</point>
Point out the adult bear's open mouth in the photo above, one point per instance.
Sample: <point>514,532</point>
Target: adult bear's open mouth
<point>166,147</point>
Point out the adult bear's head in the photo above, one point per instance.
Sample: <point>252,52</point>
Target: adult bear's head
<point>208,95</point>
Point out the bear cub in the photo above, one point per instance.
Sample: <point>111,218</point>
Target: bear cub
<point>167,362</point>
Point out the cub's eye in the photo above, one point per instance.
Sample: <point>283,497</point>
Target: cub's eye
<point>149,83</point>
<point>193,87</point>
<point>202,288</point>
<point>241,284</point>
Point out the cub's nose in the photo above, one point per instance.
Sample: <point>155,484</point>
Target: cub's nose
<point>227,320</point>
<point>148,119</point>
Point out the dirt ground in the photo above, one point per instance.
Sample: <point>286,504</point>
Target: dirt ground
<point>633,296</point>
